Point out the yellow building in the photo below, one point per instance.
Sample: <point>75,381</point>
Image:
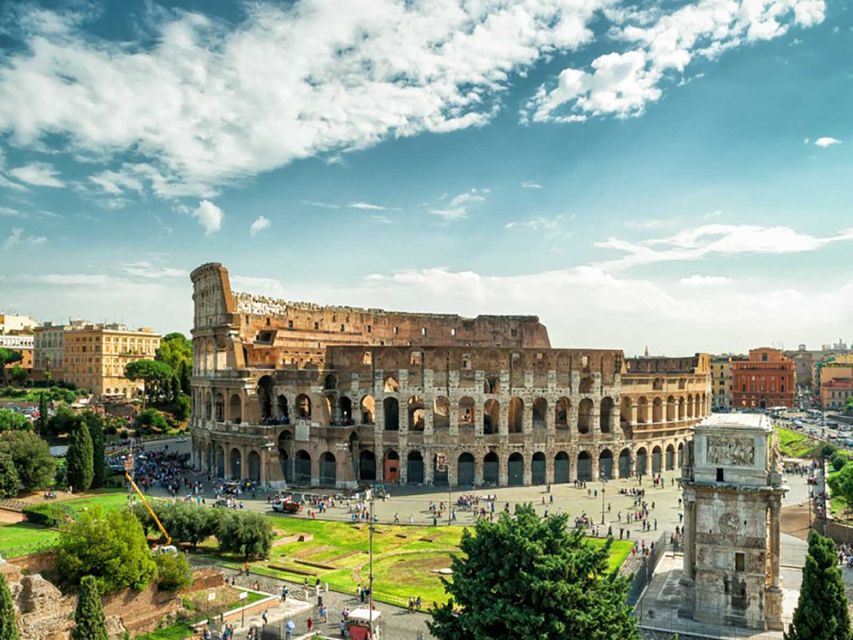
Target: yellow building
<point>94,356</point>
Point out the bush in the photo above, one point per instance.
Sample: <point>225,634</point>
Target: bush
<point>173,571</point>
<point>149,420</point>
<point>109,546</point>
<point>48,515</point>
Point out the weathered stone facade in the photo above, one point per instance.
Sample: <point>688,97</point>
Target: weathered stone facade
<point>337,395</point>
<point>732,505</point>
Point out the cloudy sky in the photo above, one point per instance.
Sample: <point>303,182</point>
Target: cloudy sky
<point>670,174</point>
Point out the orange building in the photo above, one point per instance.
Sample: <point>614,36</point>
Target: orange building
<point>766,379</point>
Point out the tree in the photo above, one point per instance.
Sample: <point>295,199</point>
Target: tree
<point>173,571</point>
<point>19,376</point>
<point>8,624</point>
<point>109,546</point>
<point>13,421</point>
<point>99,463</point>
<point>89,621</point>
<point>10,483</point>
<point>7,357</point>
<point>41,423</point>
<point>524,577</point>
<point>35,466</point>
<point>246,534</point>
<point>154,373</point>
<point>821,612</point>
<point>177,352</point>
<point>79,465</point>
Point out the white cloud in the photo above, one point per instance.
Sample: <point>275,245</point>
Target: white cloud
<point>259,225</point>
<point>530,184</point>
<point>623,83</point>
<point>705,281</point>
<point>458,207</point>
<point>209,216</point>
<point>826,141</point>
<point>705,240</point>
<point>210,103</point>
<point>37,174</point>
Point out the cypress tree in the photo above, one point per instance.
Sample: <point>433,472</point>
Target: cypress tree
<point>821,612</point>
<point>80,468</point>
<point>89,620</point>
<point>8,624</point>
<point>99,464</point>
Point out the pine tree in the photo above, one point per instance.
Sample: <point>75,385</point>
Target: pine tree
<point>99,464</point>
<point>8,625</point>
<point>89,617</point>
<point>821,612</point>
<point>80,469</point>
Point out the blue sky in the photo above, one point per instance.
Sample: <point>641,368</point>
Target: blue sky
<point>670,174</point>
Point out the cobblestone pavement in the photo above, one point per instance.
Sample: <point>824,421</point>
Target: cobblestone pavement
<point>398,623</point>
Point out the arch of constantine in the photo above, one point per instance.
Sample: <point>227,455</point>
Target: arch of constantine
<point>334,396</point>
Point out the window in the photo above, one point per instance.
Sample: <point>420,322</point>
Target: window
<point>720,475</point>
<point>740,562</point>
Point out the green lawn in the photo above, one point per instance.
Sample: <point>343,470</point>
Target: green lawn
<point>23,539</point>
<point>405,557</point>
<point>795,444</point>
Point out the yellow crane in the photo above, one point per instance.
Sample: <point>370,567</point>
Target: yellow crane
<point>128,467</point>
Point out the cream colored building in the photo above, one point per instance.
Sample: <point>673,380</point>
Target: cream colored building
<point>94,356</point>
<point>16,324</point>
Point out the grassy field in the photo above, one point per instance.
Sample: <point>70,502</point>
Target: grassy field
<point>23,538</point>
<point>405,557</point>
<point>794,444</point>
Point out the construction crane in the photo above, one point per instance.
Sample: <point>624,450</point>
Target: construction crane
<point>128,468</point>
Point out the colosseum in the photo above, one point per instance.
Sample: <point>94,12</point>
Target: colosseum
<point>292,393</point>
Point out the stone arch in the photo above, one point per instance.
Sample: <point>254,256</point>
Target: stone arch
<point>642,461</point>
<point>236,460</point>
<point>562,468</point>
<point>642,410</point>
<point>391,385</point>
<point>367,466</point>
<point>345,409</point>
<point>540,413</point>
<point>466,412</point>
<point>328,469</point>
<point>585,411</point>
<point>416,414</point>
<point>657,410</point>
<point>584,466</point>
<point>516,416</point>
<point>515,469</point>
<point>415,468</point>
<point>302,467</point>
<point>491,416</point>
<point>465,467</point>
<point>669,463</point>
<point>254,466</point>
<point>303,406</point>
<point>392,466</point>
<point>235,409</point>
<point>561,413</point>
<point>605,464</point>
<point>391,409</point>
<point>265,397</point>
<point>440,413</point>
<point>657,460</point>
<point>625,463</point>
<point>491,468</point>
<point>605,414</point>
<point>538,472</point>
<point>368,409</point>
